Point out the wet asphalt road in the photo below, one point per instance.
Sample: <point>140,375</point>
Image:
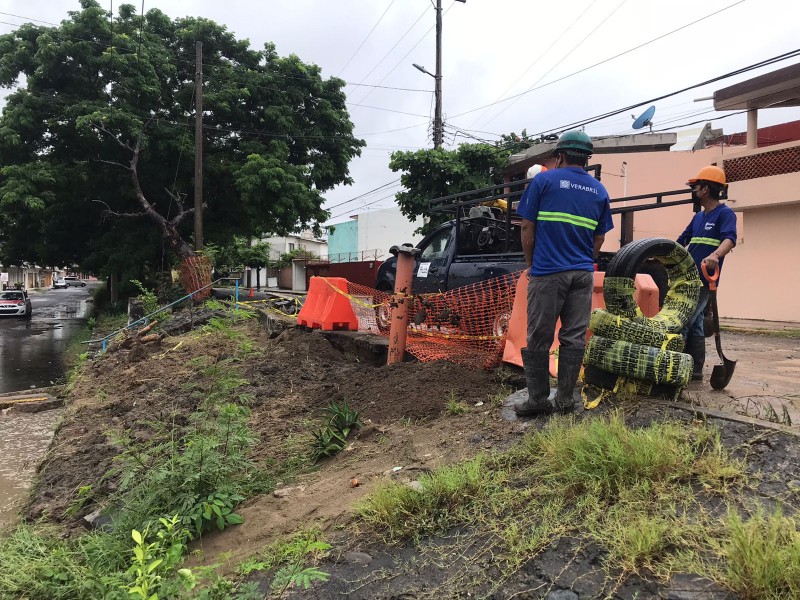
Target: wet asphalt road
<point>31,351</point>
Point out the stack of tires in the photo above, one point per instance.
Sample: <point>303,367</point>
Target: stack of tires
<point>629,350</point>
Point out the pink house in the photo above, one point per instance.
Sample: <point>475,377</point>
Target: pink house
<point>761,279</point>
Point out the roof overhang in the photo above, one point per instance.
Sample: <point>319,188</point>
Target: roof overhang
<point>777,89</point>
<point>640,142</point>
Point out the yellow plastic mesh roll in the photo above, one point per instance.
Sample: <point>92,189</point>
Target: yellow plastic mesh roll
<point>638,361</point>
<point>638,331</point>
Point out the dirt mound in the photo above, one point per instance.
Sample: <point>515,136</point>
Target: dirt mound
<point>412,390</point>
<point>291,380</point>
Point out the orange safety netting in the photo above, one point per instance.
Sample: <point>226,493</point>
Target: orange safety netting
<point>467,325</point>
<point>194,273</point>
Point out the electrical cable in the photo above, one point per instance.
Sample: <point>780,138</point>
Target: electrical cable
<point>362,206</point>
<point>573,22</point>
<point>422,14</point>
<point>402,60</point>
<point>366,38</point>
<point>372,191</point>
<point>601,62</point>
<point>563,58</point>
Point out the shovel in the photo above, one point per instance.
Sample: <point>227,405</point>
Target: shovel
<point>721,374</point>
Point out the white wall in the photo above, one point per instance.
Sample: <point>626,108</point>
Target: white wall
<point>384,228</point>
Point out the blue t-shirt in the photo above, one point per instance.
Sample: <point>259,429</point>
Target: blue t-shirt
<point>569,208</point>
<point>706,232</point>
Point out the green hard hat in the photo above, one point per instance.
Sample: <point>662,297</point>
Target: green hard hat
<point>574,142</point>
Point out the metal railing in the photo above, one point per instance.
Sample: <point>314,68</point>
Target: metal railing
<point>146,319</point>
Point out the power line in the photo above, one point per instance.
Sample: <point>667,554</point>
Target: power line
<point>563,58</point>
<point>402,60</point>
<point>708,16</point>
<point>362,206</point>
<point>372,191</point>
<point>763,63</point>
<point>535,62</point>
<point>366,38</point>
<point>422,14</point>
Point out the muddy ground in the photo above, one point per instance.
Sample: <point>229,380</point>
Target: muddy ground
<point>408,431</point>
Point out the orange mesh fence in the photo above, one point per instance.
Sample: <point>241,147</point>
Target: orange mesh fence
<point>195,272</point>
<point>776,162</point>
<point>467,325</point>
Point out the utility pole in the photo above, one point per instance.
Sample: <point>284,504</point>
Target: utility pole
<point>438,125</point>
<point>437,119</point>
<point>198,149</point>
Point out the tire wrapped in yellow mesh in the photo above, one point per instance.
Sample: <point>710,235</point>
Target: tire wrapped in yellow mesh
<point>604,380</point>
<point>637,330</point>
<point>637,361</point>
<point>684,285</point>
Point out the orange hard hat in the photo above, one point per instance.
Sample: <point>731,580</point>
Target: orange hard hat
<point>709,173</point>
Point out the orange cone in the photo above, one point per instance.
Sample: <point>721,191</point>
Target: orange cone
<point>251,294</point>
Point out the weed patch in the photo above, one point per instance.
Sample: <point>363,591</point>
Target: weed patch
<point>332,437</point>
<point>634,492</point>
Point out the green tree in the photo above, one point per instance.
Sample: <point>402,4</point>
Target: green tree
<point>433,173</point>
<point>97,148</point>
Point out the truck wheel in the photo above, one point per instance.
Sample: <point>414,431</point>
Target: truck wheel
<point>383,312</point>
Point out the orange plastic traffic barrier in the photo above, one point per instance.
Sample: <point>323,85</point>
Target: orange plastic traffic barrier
<point>327,306</point>
<point>646,297</point>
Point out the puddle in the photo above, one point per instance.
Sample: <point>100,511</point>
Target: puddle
<point>24,438</point>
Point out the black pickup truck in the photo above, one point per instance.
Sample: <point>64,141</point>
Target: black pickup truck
<point>460,252</point>
<point>483,240</point>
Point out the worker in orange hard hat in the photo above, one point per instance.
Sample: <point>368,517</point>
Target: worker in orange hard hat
<point>710,235</point>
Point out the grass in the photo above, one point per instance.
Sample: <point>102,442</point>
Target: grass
<point>782,333</point>
<point>454,406</point>
<point>639,494</point>
<point>291,560</point>
<point>762,555</point>
<point>185,479</point>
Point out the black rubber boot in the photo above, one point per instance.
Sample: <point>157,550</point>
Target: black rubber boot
<point>696,348</point>
<point>569,368</point>
<point>537,375</point>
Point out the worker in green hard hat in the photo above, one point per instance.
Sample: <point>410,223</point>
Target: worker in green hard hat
<point>566,214</point>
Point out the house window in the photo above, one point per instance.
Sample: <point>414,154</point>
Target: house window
<point>291,246</point>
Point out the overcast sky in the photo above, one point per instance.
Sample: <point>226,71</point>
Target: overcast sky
<point>570,61</point>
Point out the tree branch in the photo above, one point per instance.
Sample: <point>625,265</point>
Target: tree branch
<point>114,163</point>
<point>119,142</point>
<point>114,213</point>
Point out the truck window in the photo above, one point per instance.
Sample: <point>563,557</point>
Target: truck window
<point>437,247</point>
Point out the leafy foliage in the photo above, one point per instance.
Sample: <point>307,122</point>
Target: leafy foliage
<point>238,254</point>
<point>97,95</point>
<point>331,439</point>
<point>433,173</point>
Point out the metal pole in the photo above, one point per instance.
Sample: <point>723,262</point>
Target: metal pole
<point>236,303</point>
<point>437,119</point>
<point>198,149</point>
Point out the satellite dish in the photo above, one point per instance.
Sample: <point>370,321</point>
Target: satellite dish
<point>645,119</point>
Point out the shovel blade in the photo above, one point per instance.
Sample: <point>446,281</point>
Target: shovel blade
<point>721,374</point>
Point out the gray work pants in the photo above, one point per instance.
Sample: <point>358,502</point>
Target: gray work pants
<point>566,295</point>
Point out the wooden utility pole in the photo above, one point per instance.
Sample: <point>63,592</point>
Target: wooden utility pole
<point>198,149</point>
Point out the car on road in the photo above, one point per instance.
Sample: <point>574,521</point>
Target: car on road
<point>74,281</point>
<point>15,303</point>
<point>60,283</point>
